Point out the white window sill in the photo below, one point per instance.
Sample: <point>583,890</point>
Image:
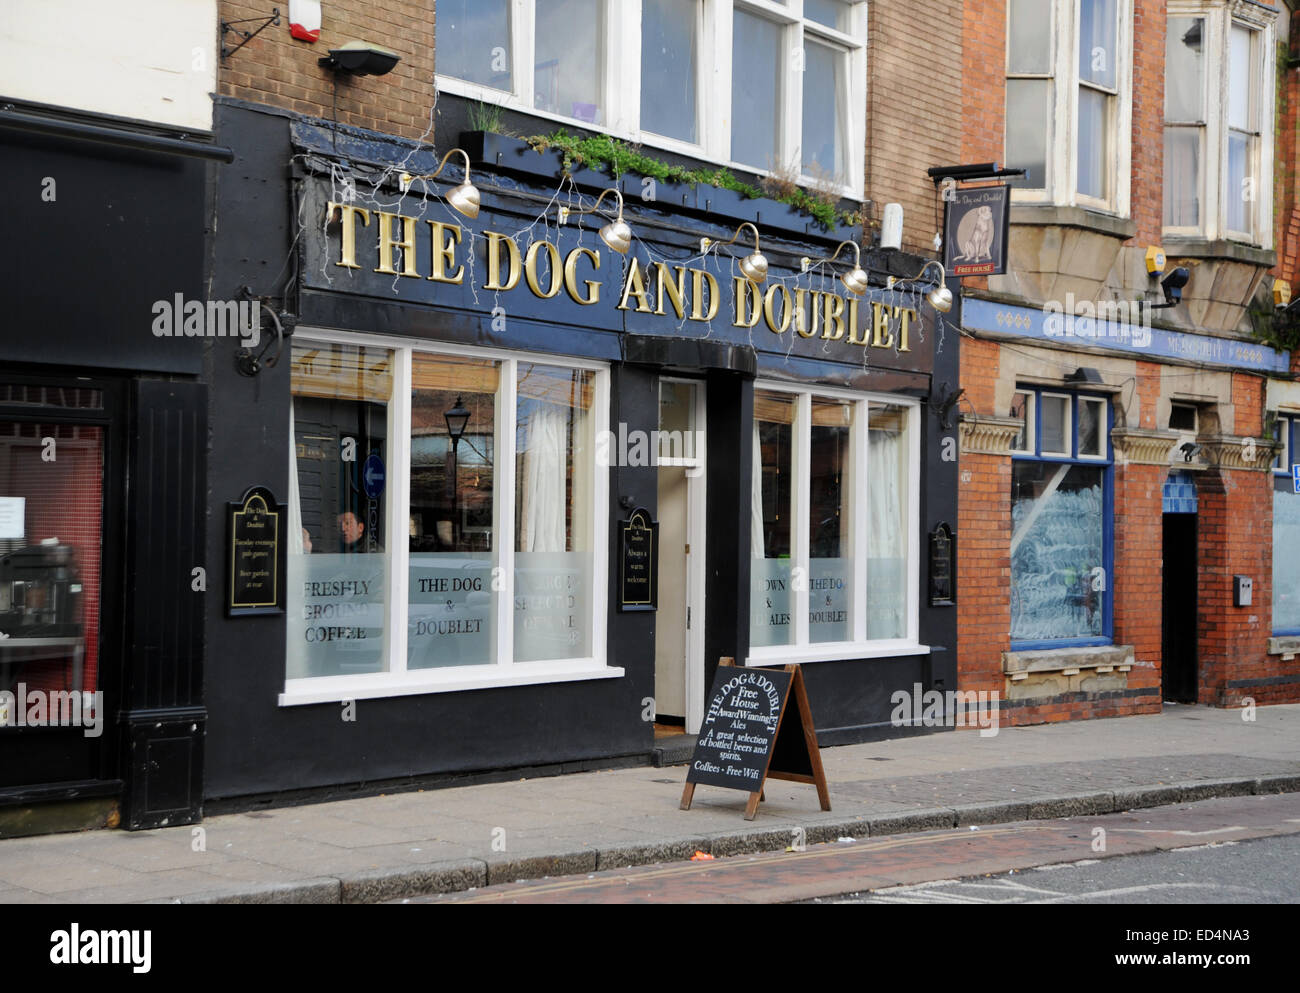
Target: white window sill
<point>834,653</point>
<point>380,685</point>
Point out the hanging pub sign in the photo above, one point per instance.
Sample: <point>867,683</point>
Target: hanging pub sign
<point>976,222</point>
<point>638,562</point>
<point>750,735</point>
<point>256,559</point>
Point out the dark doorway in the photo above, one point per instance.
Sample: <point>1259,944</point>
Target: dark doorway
<point>1179,611</point>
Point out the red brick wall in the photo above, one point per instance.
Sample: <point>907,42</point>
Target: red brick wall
<point>1138,579</point>
<point>983,571</point>
<point>277,70</point>
<point>1147,183</point>
<point>1286,173</point>
<point>1236,538</point>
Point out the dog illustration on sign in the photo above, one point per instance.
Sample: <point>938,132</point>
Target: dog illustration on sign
<point>975,235</point>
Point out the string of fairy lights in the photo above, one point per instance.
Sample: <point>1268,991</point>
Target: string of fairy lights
<point>567,205</point>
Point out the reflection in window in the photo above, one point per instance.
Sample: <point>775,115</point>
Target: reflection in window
<point>887,501</point>
<point>830,554</point>
<point>771,599</point>
<point>337,560</point>
<point>1286,563</point>
<point>669,43</point>
<point>473,41</point>
<point>554,477</point>
<point>1029,90</point>
<point>570,58</point>
<point>51,533</point>
<point>1184,120</point>
<point>825,96</point>
<point>755,91</point>
<point>453,427</point>
<point>1057,553</point>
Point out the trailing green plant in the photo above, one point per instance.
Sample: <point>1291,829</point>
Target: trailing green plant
<point>605,154</point>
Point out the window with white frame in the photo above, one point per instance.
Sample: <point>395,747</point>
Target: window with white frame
<point>1219,91</point>
<point>835,485</point>
<point>444,520</point>
<point>795,72</point>
<point>1068,101</point>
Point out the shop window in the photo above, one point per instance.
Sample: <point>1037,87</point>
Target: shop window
<point>51,536</point>
<point>1068,100</point>
<point>834,530</point>
<point>483,471</point>
<point>795,71</point>
<point>1060,520</point>
<point>1219,91</point>
<point>1286,530</point>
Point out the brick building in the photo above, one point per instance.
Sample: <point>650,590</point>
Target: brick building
<point>1118,462</point>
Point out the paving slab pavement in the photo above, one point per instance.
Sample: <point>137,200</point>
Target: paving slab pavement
<point>399,845</point>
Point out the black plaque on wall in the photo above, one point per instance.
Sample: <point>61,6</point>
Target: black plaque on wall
<point>256,558</point>
<point>943,592</point>
<point>638,562</point>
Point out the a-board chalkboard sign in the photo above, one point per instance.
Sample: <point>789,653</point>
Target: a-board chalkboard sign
<point>256,560</point>
<point>750,734</point>
<point>638,562</point>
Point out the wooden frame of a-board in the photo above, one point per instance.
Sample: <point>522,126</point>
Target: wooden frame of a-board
<point>791,753</point>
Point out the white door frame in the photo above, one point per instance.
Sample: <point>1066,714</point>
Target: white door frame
<point>695,537</point>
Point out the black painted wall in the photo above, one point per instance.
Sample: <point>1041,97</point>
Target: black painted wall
<point>255,746</point>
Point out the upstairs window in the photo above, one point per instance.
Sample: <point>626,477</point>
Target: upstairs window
<point>1219,91</point>
<point>1068,101</point>
<point>785,79</point>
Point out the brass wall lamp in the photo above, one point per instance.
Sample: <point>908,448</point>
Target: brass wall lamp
<point>616,234</point>
<point>753,266</point>
<point>940,297</point>
<point>855,280</point>
<point>463,198</point>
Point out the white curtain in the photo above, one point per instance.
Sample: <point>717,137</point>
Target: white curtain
<point>295,506</point>
<point>885,499</point>
<point>541,527</point>
<point>756,543</point>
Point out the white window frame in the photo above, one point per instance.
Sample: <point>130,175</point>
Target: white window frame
<point>1103,437</point>
<point>859,647</point>
<point>1067,425</point>
<point>622,82</point>
<point>1031,424</point>
<point>397,680</point>
<point>1061,185</point>
<point>1220,16</point>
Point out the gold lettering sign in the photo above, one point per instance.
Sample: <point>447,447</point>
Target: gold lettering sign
<point>660,288</point>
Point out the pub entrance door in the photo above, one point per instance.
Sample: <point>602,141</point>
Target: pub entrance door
<point>679,621</point>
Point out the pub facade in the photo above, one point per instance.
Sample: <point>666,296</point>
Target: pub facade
<point>544,443</point>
